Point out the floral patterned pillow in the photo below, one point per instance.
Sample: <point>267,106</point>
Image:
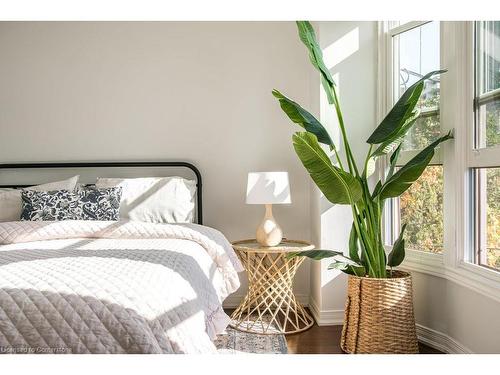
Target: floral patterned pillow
<point>84,204</point>
<point>48,205</point>
<point>99,204</point>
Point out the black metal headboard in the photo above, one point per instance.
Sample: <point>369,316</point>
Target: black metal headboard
<point>125,164</point>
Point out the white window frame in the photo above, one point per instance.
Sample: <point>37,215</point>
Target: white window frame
<point>480,157</point>
<point>406,156</point>
<point>457,156</point>
<point>387,96</point>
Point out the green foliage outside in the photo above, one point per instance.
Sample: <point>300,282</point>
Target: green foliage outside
<point>422,205</point>
<point>422,210</point>
<point>493,217</point>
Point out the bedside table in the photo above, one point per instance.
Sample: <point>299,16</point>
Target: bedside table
<point>270,306</point>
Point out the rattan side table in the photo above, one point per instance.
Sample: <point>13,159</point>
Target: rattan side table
<point>270,306</point>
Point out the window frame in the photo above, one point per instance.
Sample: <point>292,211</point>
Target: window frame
<point>458,157</point>
<point>406,156</point>
<point>392,87</point>
<point>479,157</point>
<point>484,157</point>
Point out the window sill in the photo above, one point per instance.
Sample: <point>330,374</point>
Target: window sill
<point>429,263</point>
<point>479,279</point>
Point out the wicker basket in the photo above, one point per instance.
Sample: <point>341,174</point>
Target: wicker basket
<point>379,315</point>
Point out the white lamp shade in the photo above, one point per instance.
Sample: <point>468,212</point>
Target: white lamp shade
<point>268,188</point>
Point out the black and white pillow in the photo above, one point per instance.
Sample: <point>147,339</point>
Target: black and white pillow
<point>99,204</point>
<point>84,204</point>
<point>48,205</point>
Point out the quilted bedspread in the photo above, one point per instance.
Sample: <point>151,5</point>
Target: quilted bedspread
<point>113,287</point>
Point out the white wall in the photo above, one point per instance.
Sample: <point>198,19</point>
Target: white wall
<point>468,321</point>
<point>350,52</point>
<point>161,91</point>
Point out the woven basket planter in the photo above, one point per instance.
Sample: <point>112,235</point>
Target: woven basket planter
<point>379,315</point>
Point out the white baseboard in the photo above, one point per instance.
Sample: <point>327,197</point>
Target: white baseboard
<point>325,317</point>
<point>234,300</point>
<point>440,341</point>
<point>426,335</point>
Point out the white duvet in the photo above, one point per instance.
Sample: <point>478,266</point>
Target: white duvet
<point>113,287</point>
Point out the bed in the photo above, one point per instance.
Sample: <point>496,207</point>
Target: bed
<point>126,286</point>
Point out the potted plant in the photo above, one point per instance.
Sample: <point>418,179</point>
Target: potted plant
<point>379,308</point>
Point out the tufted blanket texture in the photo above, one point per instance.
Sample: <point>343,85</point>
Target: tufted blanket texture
<point>113,287</point>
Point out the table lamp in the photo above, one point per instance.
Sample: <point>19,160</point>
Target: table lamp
<point>268,188</point>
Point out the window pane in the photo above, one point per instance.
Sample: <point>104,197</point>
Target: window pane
<point>489,124</point>
<point>417,53</point>
<point>421,208</point>
<point>424,131</point>
<point>487,84</point>
<point>488,54</point>
<point>488,211</point>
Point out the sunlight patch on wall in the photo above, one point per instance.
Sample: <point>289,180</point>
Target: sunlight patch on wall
<point>329,118</point>
<point>341,49</point>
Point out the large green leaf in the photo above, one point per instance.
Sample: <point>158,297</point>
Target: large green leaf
<point>315,254</point>
<point>351,269</point>
<point>400,181</point>
<point>390,124</point>
<point>353,245</point>
<point>347,265</point>
<point>397,255</point>
<point>371,167</point>
<point>376,189</point>
<point>338,186</point>
<point>392,143</point>
<point>308,37</point>
<point>300,116</point>
<point>393,160</point>
<point>401,112</point>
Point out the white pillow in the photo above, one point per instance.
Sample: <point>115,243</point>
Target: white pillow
<point>155,199</point>
<point>10,200</point>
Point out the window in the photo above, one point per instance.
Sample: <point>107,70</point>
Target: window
<point>452,211</point>
<point>485,173</point>
<point>487,101</point>
<point>415,52</point>
<point>421,207</point>
<point>487,217</point>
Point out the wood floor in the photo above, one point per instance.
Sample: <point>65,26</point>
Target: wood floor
<point>324,340</point>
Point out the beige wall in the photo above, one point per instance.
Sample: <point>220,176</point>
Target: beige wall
<point>159,91</point>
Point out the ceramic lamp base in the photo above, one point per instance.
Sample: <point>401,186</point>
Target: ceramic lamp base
<point>269,232</point>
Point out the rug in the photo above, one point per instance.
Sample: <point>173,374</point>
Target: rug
<point>233,341</point>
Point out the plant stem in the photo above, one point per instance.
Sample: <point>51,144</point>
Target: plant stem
<point>368,222</point>
<point>334,149</point>
<point>350,159</point>
<point>366,161</point>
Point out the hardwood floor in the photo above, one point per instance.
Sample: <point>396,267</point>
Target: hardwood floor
<point>325,340</point>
